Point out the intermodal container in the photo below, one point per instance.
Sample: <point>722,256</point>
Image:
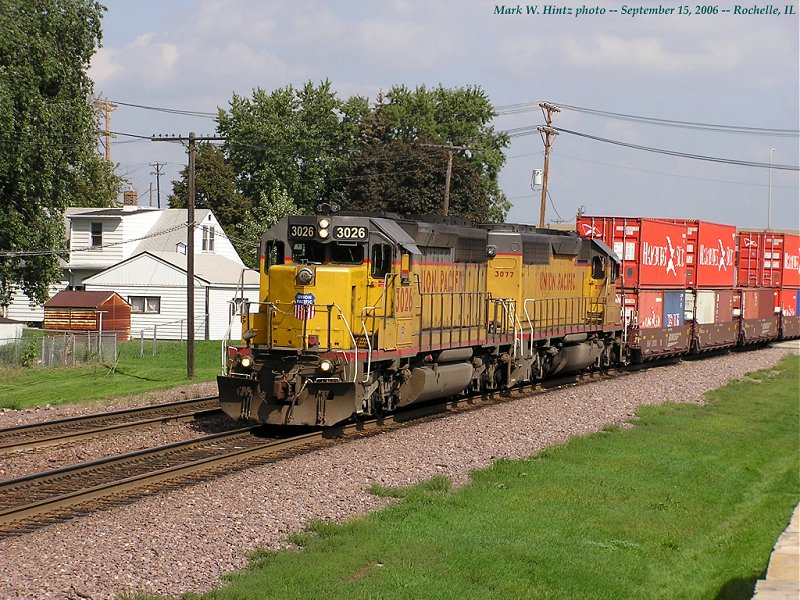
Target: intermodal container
<point>705,307</point>
<point>789,302</point>
<point>758,303</point>
<point>710,252</point>
<point>652,251</point>
<point>650,310</point>
<point>768,259</point>
<point>725,302</point>
<point>674,303</point>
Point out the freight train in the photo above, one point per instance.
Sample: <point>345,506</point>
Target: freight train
<point>363,314</point>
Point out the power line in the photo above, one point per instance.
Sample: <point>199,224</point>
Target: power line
<point>172,111</point>
<point>728,161</point>
<point>512,109</point>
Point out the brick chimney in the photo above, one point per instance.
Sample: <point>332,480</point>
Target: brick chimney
<point>130,198</point>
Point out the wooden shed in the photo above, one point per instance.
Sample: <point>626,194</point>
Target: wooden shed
<point>89,311</point>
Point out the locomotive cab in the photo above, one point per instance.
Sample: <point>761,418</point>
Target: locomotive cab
<point>328,293</point>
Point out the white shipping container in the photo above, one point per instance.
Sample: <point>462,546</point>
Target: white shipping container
<point>706,306</point>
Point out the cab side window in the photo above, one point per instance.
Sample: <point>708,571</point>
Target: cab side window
<point>274,254</point>
<point>598,272</point>
<point>381,256</point>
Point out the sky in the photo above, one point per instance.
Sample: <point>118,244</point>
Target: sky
<point>736,70</point>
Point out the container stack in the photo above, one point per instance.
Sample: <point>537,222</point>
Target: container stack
<point>770,261</point>
<point>656,260</point>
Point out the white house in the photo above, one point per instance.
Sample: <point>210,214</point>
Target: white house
<point>99,238</point>
<point>154,284</point>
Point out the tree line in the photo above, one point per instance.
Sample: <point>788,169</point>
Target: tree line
<point>293,149</point>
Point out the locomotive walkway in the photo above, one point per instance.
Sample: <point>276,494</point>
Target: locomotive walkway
<point>783,573</point>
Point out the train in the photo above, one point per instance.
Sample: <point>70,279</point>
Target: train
<point>362,314</point>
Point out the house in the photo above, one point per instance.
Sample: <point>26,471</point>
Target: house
<point>154,284</point>
<point>99,238</point>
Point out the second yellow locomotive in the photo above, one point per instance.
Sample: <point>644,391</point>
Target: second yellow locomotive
<point>362,314</point>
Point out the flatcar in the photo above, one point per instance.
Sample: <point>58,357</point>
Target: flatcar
<point>361,314</point>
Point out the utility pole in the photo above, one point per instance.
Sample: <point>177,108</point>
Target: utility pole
<point>449,147</point>
<point>106,106</point>
<point>190,227</point>
<point>548,135</point>
<point>158,173</point>
<point>447,181</point>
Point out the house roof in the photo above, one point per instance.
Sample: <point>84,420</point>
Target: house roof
<point>106,212</point>
<point>172,218</point>
<point>212,268</point>
<point>78,299</point>
<point>6,321</point>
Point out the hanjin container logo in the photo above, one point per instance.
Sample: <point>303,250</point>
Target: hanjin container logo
<point>669,256</point>
<point>304,306</point>
<point>719,257</point>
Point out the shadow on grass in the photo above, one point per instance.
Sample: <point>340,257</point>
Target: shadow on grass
<point>737,589</point>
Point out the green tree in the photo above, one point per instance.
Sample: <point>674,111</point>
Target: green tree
<point>299,140</point>
<point>48,129</point>
<point>215,187</point>
<point>271,207</point>
<point>433,120</point>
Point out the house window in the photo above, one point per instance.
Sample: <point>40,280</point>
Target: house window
<point>97,235</point>
<point>208,238</point>
<point>145,304</point>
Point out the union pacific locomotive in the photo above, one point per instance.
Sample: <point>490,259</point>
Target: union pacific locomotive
<point>361,314</point>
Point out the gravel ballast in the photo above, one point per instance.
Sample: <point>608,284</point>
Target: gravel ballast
<point>184,540</point>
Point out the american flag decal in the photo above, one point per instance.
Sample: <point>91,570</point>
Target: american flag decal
<point>304,306</point>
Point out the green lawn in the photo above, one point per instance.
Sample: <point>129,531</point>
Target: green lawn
<point>686,504</point>
<point>25,387</point>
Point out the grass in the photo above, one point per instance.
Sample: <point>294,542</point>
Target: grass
<point>26,387</point>
<point>686,504</point>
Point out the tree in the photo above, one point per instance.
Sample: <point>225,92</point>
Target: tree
<point>47,127</point>
<point>393,156</point>
<point>215,187</point>
<point>433,120</point>
<point>299,140</point>
<point>410,179</point>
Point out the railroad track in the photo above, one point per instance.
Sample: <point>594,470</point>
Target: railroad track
<point>31,501</point>
<point>60,431</point>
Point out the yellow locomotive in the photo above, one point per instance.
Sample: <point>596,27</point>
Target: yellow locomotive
<point>361,314</point>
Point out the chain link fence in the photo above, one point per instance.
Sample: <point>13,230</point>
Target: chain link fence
<point>59,349</point>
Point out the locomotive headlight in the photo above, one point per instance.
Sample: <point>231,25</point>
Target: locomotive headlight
<point>324,223</point>
<point>323,233</point>
<point>325,366</point>
<point>246,361</point>
<point>305,276</point>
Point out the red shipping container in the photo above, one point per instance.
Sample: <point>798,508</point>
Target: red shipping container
<point>652,251</point>
<point>789,302</point>
<point>725,306</point>
<point>759,303</point>
<point>768,259</point>
<point>710,252</point>
<point>650,310</point>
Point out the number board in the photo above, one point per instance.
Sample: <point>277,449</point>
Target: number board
<point>302,231</point>
<point>351,232</point>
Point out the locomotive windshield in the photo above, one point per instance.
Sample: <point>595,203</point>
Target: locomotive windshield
<point>314,252</point>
